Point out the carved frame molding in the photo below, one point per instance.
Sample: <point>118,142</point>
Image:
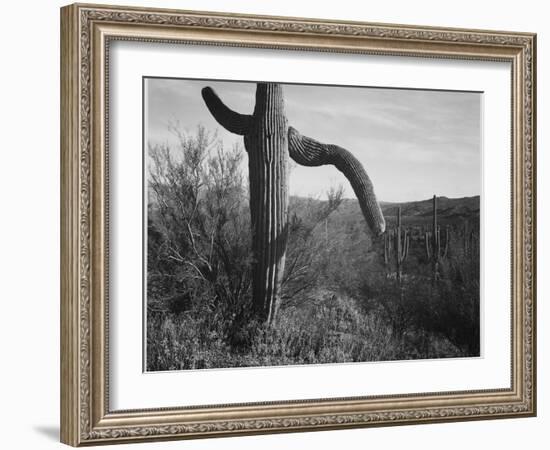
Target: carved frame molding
<point>86,31</point>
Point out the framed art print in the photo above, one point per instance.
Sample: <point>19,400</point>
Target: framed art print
<point>275,224</point>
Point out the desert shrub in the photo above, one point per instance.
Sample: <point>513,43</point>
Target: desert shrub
<point>309,248</point>
<point>433,318</point>
<point>329,331</point>
<point>198,240</point>
<point>458,314</point>
<point>332,330</point>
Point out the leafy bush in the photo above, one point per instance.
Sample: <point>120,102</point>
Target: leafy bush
<point>198,240</point>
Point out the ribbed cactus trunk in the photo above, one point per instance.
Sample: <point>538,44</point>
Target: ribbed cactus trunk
<point>267,148</point>
<point>269,142</point>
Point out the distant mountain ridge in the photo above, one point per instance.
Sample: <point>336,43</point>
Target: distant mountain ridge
<point>448,209</point>
<point>419,212</point>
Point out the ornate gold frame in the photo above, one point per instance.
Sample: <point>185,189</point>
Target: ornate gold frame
<point>86,31</point>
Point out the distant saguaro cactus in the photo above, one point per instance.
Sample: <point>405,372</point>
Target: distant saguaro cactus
<point>470,242</point>
<point>401,238</point>
<point>402,246</point>
<point>269,141</point>
<point>435,250</point>
<point>388,245</point>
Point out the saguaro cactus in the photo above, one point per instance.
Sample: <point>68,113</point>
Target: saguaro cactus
<point>435,251</point>
<point>269,141</point>
<point>470,242</point>
<point>388,243</point>
<point>401,246</point>
<point>401,238</point>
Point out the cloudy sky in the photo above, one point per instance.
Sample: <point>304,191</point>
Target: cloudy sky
<point>412,143</point>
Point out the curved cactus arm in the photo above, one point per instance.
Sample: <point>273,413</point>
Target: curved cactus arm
<point>232,121</point>
<point>308,152</point>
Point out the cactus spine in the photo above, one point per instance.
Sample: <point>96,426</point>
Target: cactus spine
<point>269,142</point>
<point>397,238</point>
<point>435,251</point>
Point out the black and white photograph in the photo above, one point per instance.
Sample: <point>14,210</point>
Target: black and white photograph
<point>294,224</point>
